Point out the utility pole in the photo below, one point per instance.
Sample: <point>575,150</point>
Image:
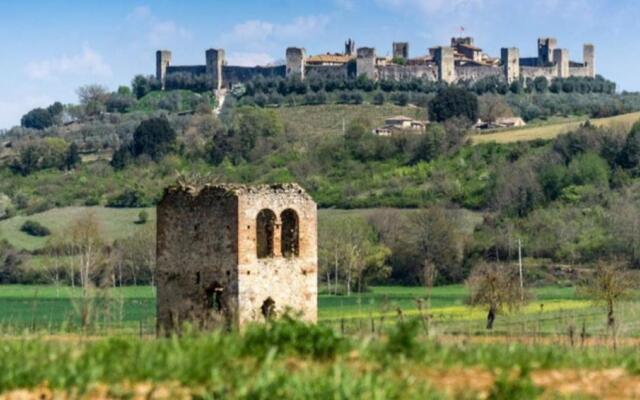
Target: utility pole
<point>520,269</point>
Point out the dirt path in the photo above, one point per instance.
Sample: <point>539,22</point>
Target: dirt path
<point>221,94</point>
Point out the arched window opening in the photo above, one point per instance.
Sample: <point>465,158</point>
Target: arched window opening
<point>265,226</point>
<point>214,297</point>
<point>290,238</point>
<point>268,309</point>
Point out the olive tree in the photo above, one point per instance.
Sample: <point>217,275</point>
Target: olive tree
<point>610,283</point>
<point>496,287</point>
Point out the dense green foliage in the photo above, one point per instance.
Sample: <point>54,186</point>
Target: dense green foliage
<point>40,118</point>
<point>453,102</point>
<point>153,137</point>
<point>289,365</point>
<point>34,228</point>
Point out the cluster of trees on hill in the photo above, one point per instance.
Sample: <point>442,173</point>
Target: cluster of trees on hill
<point>570,200</point>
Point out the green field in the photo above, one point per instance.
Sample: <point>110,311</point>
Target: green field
<point>291,360</point>
<point>332,118</point>
<point>361,348</point>
<point>116,223</point>
<point>119,223</point>
<point>52,309</point>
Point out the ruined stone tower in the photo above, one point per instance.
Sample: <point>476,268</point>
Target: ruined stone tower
<point>589,59</point>
<point>401,50</point>
<point>511,63</point>
<point>561,58</point>
<point>349,47</point>
<point>163,61</point>
<point>215,62</point>
<point>229,254</point>
<point>366,62</point>
<point>546,46</point>
<point>444,57</point>
<point>296,58</point>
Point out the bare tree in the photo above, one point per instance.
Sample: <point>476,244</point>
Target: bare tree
<point>495,286</point>
<point>92,93</point>
<point>349,249</point>
<point>89,258</point>
<point>134,257</point>
<point>492,107</point>
<point>56,263</point>
<point>610,283</point>
<point>438,242</point>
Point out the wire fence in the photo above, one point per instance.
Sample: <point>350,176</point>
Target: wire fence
<point>136,316</point>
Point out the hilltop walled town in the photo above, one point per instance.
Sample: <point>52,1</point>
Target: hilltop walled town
<point>461,61</point>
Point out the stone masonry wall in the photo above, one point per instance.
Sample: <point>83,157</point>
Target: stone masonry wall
<point>579,71</point>
<point>400,72</point>
<point>234,74</point>
<point>208,270</point>
<point>534,72</point>
<point>188,69</point>
<point>196,248</point>
<point>474,73</point>
<point>290,282</point>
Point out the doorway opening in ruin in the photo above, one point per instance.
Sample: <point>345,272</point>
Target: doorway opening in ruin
<point>268,309</point>
<point>214,297</point>
<point>265,229</point>
<point>290,239</point>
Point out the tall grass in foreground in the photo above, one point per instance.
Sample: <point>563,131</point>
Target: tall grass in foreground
<point>286,359</point>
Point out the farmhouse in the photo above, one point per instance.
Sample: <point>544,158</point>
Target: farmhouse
<point>400,124</point>
<point>499,123</point>
<point>230,254</point>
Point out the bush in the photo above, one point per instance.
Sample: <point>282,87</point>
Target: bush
<point>290,336</point>
<point>143,216</point>
<point>401,99</point>
<point>38,118</point>
<point>153,137</point>
<point>378,98</point>
<point>144,84</point>
<point>129,198</point>
<point>36,155</point>
<point>34,228</point>
<point>403,339</point>
<point>453,102</point>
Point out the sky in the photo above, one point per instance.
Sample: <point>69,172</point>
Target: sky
<point>50,48</point>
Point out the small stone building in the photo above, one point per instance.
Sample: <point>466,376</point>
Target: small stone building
<point>230,254</point>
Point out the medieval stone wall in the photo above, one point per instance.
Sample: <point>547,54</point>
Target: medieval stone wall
<point>474,73</point>
<point>533,72</point>
<point>579,71</point>
<point>188,69</point>
<point>233,74</point>
<point>401,72</point>
<point>327,71</point>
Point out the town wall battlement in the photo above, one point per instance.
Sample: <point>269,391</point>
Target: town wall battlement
<point>461,61</point>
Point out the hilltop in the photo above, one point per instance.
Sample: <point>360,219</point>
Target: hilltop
<point>115,151</point>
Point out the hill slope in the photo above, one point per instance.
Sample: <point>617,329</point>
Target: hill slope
<point>551,131</point>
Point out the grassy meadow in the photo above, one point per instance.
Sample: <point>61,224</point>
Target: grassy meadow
<point>288,359</point>
<point>116,223</point>
<point>132,309</point>
<point>550,131</point>
<point>329,118</point>
<point>119,223</point>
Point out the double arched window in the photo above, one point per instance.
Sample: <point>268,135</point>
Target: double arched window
<point>266,227</point>
<point>290,238</point>
<point>266,224</point>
